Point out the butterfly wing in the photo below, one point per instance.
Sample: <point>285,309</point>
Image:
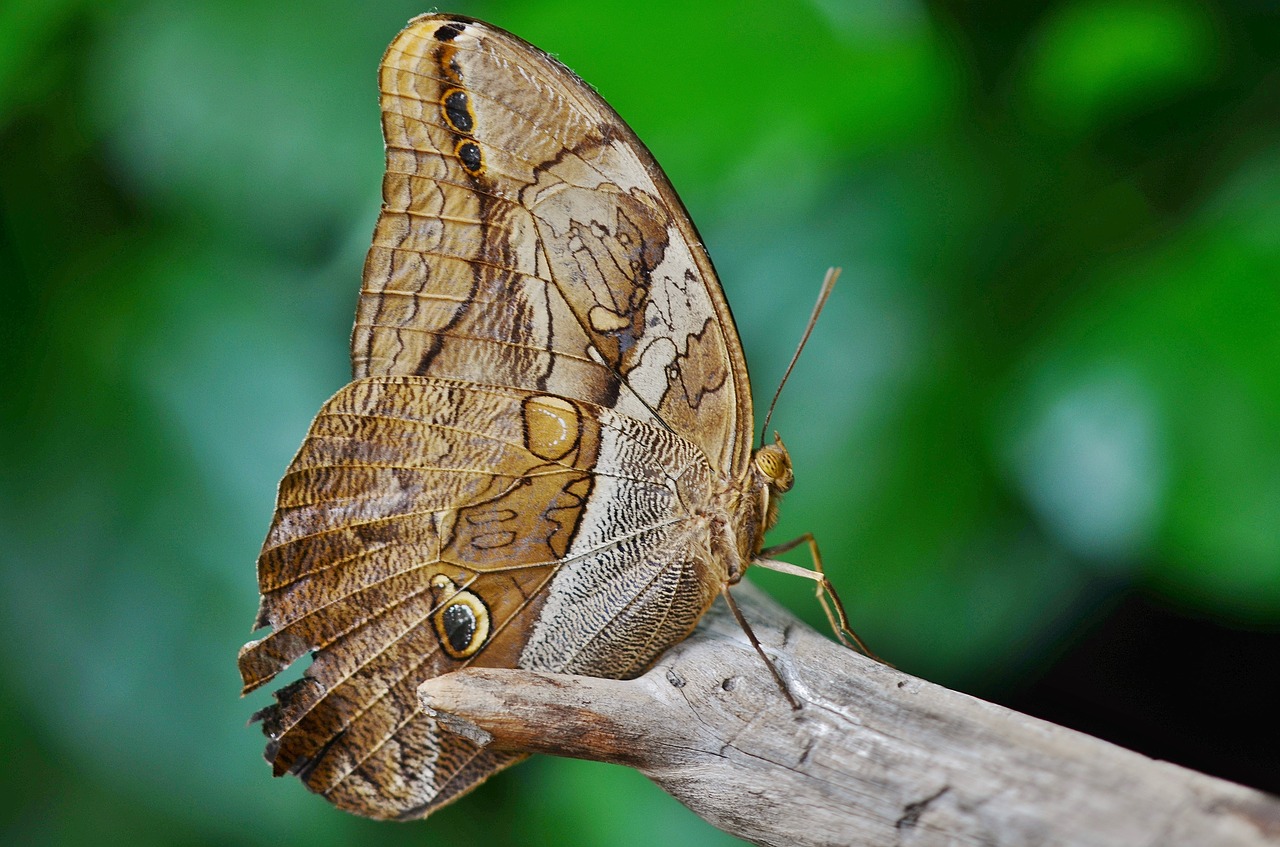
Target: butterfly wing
<point>418,531</point>
<point>529,239</point>
<point>547,375</point>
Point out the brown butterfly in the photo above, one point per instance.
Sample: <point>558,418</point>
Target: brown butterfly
<point>545,457</point>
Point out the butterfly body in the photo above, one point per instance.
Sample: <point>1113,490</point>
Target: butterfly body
<point>544,459</point>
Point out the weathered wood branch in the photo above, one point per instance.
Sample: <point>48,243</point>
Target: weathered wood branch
<point>874,757</point>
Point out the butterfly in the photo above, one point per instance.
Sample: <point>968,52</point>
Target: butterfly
<point>544,459</point>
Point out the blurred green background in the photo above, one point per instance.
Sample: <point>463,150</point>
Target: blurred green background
<point>1037,430</point>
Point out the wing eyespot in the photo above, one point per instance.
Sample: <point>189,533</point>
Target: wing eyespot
<point>468,153</point>
<point>456,108</point>
<point>462,621</point>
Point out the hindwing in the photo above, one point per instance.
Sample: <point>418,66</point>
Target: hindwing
<point>427,525</point>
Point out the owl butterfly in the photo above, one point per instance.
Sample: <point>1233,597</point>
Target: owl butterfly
<point>544,459</point>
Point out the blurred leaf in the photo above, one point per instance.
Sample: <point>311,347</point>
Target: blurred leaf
<point>606,804</point>
<point>1094,60</point>
<point>1093,462</point>
<point>252,118</point>
<point>26,32</point>
<point>784,77</point>
<point>1195,321</point>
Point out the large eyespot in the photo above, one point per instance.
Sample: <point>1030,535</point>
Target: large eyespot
<point>461,618</point>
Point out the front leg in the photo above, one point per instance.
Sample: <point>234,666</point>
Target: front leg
<point>833,608</point>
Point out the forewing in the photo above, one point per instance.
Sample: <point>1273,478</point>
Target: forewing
<point>525,502</point>
<point>528,239</point>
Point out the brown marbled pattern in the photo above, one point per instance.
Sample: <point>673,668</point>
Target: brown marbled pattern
<point>550,420</point>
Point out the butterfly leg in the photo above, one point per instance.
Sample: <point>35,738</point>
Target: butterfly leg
<point>826,592</point>
<point>751,636</point>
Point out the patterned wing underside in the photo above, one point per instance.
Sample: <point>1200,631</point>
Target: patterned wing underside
<point>404,478</point>
<point>528,239</point>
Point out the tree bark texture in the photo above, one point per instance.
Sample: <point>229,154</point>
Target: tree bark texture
<point>873,757</point>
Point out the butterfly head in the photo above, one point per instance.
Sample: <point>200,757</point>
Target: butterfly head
<point>771,467</point>
<point>773,463</point>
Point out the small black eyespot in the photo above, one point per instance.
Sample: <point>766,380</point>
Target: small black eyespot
<point>470,156</point>
<point>450,31</point>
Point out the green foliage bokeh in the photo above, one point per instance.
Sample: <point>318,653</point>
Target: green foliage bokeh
<point>1051,370</point>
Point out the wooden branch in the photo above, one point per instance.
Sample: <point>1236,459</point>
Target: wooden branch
<point>874,756</point>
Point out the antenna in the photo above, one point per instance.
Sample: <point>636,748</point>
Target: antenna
<point>828,282</point>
